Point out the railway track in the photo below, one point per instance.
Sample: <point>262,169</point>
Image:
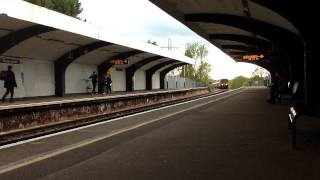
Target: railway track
<point>66,125</point>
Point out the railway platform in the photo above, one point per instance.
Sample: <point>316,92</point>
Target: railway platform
<point>235,135</point>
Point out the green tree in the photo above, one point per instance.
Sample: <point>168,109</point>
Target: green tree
<point>69,7</point>
<point>202,52</point>
<point>260,72</point>
<point>203,72</point>
<point>256,80</point>
<point>191,50</point>
<point>239,81</point>
<point>44,3</point>
<point>258,77</point>
<point>200,70</point>
<point>188,71</point>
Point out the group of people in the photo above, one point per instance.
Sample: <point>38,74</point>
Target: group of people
<point>106,83</point>
<point>10,83</point>
<point>278,86</point>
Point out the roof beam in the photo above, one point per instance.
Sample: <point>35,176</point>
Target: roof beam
<point>263,29</point>
<point>251,52</point>
<point>133,68</point>
<point>61,64</point>
<point>15,38</point>
<point>278,36</point>
<point>268,66</point>
<point>164,72</point>
<point>243,39</point>
<point>152,70</point>
<point>106,65</point>
<point>287,9</point>
<point>241,48</point>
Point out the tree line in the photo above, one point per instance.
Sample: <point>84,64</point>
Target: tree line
<point>258,76</point>
<point>200,70</point>
<point>69,7</point>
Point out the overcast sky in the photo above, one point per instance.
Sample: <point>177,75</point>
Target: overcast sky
<point>141,20</point>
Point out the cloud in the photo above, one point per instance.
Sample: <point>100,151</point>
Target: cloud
<point>141,20</point>
<point>161,28</point>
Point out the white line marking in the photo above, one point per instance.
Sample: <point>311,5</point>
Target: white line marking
<point>105,122</point>
<point>55,102</point>
<point>43,156</point>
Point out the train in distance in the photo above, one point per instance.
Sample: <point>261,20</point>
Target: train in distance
<point>222,84</point>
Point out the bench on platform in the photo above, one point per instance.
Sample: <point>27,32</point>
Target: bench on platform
<point>286,93</point>
<point>297,109</point>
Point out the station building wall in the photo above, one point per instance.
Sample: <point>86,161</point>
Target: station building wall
<point>177,82</point>
<point>156,81</point>
<point>17,69</point>
<point>34,78</point>
<point>38,78</point>
<point>118,77</point>
<point>77,78</point>
<point>139,80</point>
<point>171,82</point>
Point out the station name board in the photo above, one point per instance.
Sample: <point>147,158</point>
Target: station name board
<point>253,57</point>
<point>9,61</point>
<point>119,61</point>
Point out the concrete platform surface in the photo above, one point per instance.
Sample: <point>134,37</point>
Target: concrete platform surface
<point>48,100</point>
<point>238,136</point>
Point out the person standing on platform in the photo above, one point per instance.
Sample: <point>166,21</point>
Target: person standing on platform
<point>94,80</point>
<point>9,83</point>
<point>108,84</point>
<point>274,88</point>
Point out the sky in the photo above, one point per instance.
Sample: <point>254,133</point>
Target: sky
<point>141,20</point>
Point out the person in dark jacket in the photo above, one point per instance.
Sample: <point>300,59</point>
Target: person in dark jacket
<point>94,80</point>
<point>9,83</point>
<point>279,86</point>
<point>108,84</point>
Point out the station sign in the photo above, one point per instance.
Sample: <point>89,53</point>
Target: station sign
<point>9,61</point>
<point>119,61</point>
<point>253,57</point>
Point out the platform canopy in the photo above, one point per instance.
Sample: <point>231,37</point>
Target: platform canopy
<point>36,33</point>
<point>36,28</point>
<point>281,33</point>
<point>241,28</point>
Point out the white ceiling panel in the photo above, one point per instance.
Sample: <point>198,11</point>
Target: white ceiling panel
<point>233,7</point>
<point>212,28</point>
<point>39,49</point>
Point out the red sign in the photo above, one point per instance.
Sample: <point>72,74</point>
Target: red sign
<point>119,61</point>
<point>253,57</point>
